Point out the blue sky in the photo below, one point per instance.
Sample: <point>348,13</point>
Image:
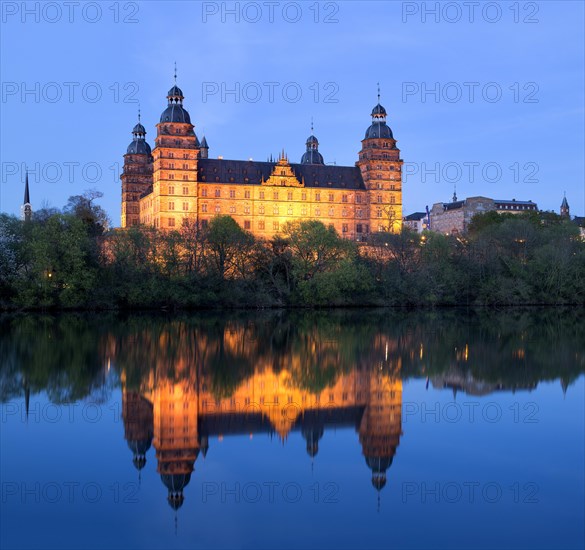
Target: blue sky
<point>520,136</point>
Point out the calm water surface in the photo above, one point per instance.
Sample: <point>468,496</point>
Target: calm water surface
<point>293,430</point>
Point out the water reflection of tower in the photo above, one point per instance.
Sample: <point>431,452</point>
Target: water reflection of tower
<point>381,425</point>
<point>175,435</point>
<point>138,423</point>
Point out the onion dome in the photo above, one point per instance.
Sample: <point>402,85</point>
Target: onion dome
<point>138,146</point>
<point>378,111</point>
<point>379,128</point>
<point>139,130</point>
<point>379,465</point>
<point>139,449</point>
<point>312,155</point>
<point>175,483</point>
<point>175,94</point>
<point>312,436</point>
<point>175,112</point>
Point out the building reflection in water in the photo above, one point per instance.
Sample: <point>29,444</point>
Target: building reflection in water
<point>177,411</point>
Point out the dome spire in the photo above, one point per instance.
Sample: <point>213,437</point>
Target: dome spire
<point>175,95</point>
<point>312,155</point>
<point>378,92</point>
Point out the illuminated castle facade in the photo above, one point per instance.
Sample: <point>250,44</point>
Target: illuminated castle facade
<point>178,184</point>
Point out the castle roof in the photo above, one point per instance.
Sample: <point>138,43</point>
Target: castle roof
<point>254,172</point>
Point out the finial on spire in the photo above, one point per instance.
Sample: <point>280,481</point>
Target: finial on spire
<point>455,193</point>
<point>378,92</point>
<point>311,125</point>
<point>139,112</point>
<point>175,72</point>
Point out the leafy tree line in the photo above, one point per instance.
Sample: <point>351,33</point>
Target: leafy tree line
<point>69,259</point>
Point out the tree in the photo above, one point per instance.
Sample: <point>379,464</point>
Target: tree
<point>228,246</point>
<point>83,207</point>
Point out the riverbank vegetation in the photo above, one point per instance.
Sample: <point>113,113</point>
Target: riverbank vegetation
<point>67,259</point>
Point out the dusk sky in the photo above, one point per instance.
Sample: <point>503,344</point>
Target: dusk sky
<point>493,106</point>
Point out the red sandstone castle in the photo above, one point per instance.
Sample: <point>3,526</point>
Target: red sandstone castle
<point>178,184</point>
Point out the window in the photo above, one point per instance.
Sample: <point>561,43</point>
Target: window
<point>185,206</point>
<point>261,209</point>
<point>392,199</point>
<point>217,209</point>
<point>232,209</point>
<point>379,213</point>
<point>275,210</point>
<point>381,228</point>
<point>343,198</point>
<point>289,196</point>
<point>358,199</point>
<point>171,205</point>
<point>246,209</point>
<point>358,228</point>
<point>275,195</point>
<point>204,192</point>
<point>330,197</point>
<point>246,224</point>
<point>185,190</point>
<point>261,225</point>
<point>218,193</point>
<point>232,193</point>
<point>185,177</point>
<point>304,211</point>
<point>275,226</point>
<point>262,195</point>
<point>303,196</point>
<point>344,228</point>
<point>289,211</point>
<point>171,222</point>
<point>171,155</point>
<point>247,194</point>
<point>379,198</point>
<point>317,211</point>
<point>331,211</point>
<point>185,166</point>
<point>171,189</point>
<point>317,196</point>
<point>185,155</point>
<point>172,165</point>
<point>344,212</point>
<point>358,213</point>
<point>204,223</point>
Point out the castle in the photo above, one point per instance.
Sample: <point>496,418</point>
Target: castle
<point>178,184</point>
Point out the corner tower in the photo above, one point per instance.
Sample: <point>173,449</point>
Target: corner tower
<point>136,175</point>
<point>174,187</point>
<point>381,168</point>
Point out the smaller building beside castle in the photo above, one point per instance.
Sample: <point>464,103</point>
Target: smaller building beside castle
<point>454,217</point>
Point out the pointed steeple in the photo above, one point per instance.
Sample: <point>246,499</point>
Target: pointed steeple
<point>26,205</point>
<point>454,193</point>
<point>565,211</point>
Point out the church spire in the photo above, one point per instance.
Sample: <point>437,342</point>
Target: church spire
<point>565,212</point>
<point>26,206</point>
